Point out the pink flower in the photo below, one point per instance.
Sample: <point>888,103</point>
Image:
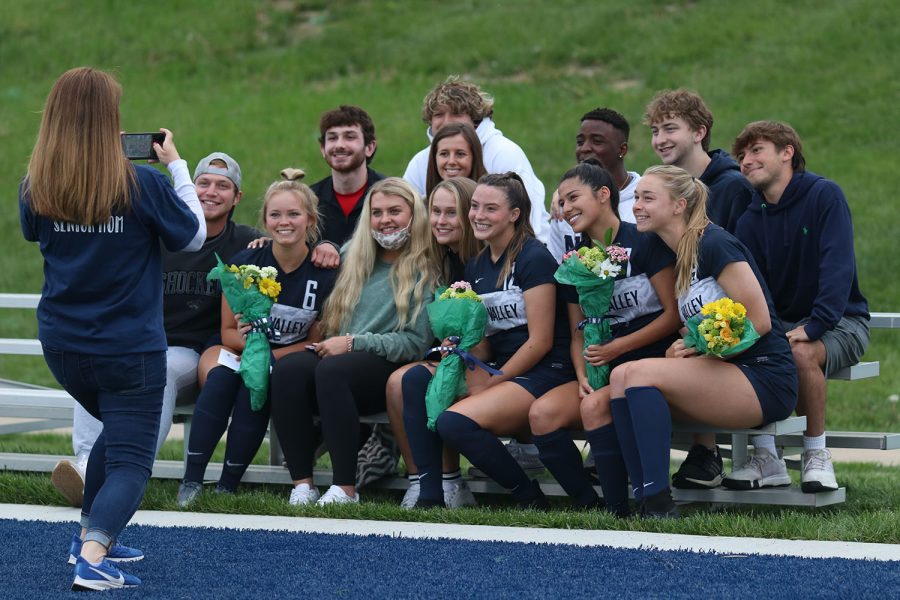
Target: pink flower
<point>617,254</point>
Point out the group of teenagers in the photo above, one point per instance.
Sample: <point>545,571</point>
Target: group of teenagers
<point>359,257</point>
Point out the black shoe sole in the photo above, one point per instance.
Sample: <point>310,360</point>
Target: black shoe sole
<point>733,484</point>
<point>814,487</point>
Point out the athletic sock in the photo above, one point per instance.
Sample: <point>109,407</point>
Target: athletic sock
<point>561,457</point>
<point>485,451</point>
<point>628,445</point>
<point>767,442</point>
<point>426,445</point>
<point>610,467</point>
<point>816,442</point>
<point>245,435</point>
<point>209,420</point>
<point>652,423</point>
<point>452,475</point>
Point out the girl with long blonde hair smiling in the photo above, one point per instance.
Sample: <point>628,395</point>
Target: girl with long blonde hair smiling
<point>375,321</point>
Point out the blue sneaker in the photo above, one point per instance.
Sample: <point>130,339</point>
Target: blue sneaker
<point>118,552</point>
<point>105,576</point>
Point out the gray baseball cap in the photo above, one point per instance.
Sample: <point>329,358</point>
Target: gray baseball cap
<point>232,170</point>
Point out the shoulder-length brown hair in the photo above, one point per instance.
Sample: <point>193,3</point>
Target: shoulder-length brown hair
<point>432,177</point>
<point>78,171</point>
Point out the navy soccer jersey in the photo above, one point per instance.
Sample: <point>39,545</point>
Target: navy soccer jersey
<point>718,249</point>
<point>102,289</point>
<point>634,302</point>
<point>303,292</point>
<point>507,327</point>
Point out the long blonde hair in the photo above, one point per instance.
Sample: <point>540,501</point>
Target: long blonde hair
<point>680,184</point>
<point>461,188</point>
<point>413,274</point>
<point>78,171</point>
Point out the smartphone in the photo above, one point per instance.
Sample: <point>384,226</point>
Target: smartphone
<point>139,146</point>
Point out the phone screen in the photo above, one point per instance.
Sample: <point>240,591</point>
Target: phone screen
<point>139,146</point>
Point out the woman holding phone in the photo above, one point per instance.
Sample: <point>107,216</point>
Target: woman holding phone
<point>99,221</point>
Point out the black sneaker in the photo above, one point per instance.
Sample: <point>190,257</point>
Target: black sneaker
<point>659,506</point>
<point>702,469</point>
<point>533,498</point>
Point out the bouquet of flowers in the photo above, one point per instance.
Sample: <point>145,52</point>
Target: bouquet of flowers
<point>457,312</point>
<point>251,291</point>
<point>721,329</point>
<point>593,272</point>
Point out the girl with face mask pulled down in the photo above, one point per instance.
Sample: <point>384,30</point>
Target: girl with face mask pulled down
<point>453,244</point>
<point>374,322</point>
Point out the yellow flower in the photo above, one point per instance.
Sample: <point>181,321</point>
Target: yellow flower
<point>270,288</point>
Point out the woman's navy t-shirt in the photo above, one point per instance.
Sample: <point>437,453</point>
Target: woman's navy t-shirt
<point>103,289</point>
<point>303,292</point>
<point>507,327</point>
<point>718,249</point>
<point>634,302</point>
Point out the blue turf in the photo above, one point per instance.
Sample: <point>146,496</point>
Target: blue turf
<point>200,563</point>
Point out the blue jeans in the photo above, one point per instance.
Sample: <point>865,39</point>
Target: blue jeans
<point>125,392</point>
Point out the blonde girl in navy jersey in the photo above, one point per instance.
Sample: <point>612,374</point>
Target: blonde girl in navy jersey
<point>753,388</point>
<point>452,244</point>
<point>291,217</point>
<point>643,319</point>
<point>526,336</point>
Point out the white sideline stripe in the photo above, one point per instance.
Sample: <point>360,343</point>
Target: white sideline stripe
<point>734,546</point>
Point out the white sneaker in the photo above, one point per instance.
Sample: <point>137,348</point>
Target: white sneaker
<point>303,494</point>
<point>68,479</point>
<point>336,495</point>
<point>457,493</point>
<point>411,495</point>
<point>762,470</point>
<point>818,473</point>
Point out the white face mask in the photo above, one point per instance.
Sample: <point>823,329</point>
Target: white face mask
<point>392,241</point>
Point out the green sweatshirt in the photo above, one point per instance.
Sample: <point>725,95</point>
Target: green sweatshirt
<point>374,322</point>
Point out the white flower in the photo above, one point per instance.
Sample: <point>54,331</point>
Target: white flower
<point>607,269</point>
<point>269,272</point>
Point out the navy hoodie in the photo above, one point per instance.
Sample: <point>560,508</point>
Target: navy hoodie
<point>804,248</point>
<point>729,190</point>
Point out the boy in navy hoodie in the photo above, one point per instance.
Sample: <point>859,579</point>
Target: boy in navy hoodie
<point>799,230</point>
<point>681,126</point>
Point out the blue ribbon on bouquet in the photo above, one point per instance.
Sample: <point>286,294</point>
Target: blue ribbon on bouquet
<point>470,361</point>
<point>598,320</point>
<point>265,325</point>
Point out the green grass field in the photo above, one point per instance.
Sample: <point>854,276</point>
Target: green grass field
<point>871,513</point>
<point>252,77</point>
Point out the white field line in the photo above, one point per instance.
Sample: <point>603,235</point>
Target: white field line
<point>576,537</point>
